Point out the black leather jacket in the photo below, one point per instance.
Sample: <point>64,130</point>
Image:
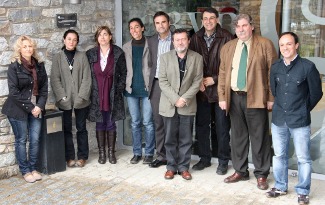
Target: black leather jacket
<point>211,59</point>
<point>20,85</point>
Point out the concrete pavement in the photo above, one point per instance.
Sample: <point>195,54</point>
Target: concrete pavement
<point>125,183</point>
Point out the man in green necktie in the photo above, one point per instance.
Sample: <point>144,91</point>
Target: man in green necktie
<point>244,93</point>
<point>241,79</point>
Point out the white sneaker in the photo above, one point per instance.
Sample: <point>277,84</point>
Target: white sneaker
<point>29,177</point>
<point>37,176</point>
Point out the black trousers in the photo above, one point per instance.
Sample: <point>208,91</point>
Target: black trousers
<point>222,128</point>
<point>249,126</point>
<point>82,133</point>
<point>158,120</point>
<point>178,141</point>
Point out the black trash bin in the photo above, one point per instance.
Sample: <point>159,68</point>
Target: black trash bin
<point>52,152</point>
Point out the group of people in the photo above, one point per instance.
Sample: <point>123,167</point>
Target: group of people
<point>167,80</point>
<point>91,84</point>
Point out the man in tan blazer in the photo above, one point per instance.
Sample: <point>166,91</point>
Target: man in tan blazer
<point>244,92</point>
<point>180,76</point>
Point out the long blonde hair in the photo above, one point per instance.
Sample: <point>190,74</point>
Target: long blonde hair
<point>16,56</point>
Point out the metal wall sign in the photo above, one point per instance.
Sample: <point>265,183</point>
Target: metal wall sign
<point>66,20</point>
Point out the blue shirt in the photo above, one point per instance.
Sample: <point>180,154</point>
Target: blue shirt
<point>296,89</point>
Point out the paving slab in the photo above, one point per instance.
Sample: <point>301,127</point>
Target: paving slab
<point>137,184</point>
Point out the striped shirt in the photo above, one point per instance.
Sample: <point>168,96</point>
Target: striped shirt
<point>163,47</point>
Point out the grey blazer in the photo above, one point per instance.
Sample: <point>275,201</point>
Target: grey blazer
<point>153,51</point>
<point>172,89</point>
<point>75,86</point>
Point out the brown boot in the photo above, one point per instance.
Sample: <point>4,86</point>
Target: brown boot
<point>101,141</point>
<point>111,138</point>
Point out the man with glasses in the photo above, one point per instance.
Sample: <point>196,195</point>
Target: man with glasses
<point>208,42</point>
<point>180,76</point>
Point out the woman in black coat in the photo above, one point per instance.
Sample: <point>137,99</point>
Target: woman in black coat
<point>28,91</point>
<point>108,71</point>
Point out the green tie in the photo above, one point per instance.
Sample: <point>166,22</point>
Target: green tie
<point>241,78</point>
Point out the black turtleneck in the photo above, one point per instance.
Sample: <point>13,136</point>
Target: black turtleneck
<point>70,55</point>
<point>140,42</point>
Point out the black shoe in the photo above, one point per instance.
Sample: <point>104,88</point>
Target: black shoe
<point>303,199</point>
<point>147,159</point>
<point>222,169</point>
<point>157,163</point>
<point>135,159</point>
<point>201,165</point>
<point>274,192</point>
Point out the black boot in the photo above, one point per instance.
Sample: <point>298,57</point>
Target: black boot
<point>101,141</point>
<point>111,138</point>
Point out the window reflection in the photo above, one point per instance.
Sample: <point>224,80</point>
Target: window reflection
<point>306,22</point>
<point>304,17</point>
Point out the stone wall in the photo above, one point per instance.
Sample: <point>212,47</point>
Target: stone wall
<point>37,18</point>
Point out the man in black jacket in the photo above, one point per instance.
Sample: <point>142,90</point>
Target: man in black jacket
<point>296,87</point>
<point>208,42</point>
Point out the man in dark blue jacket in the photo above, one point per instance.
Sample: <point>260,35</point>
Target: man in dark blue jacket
<point>296,87</point>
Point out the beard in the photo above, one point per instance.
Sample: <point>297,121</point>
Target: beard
<point>181,49</point>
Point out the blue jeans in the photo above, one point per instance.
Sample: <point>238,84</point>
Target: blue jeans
<point>23,128</point>
<point>147,121</point>
<point>301,140</point>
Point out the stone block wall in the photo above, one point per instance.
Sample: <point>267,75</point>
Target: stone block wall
<point>37,18</point>
<point>8,165</point>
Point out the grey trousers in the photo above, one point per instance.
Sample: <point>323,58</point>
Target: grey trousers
<point>178,141</point>
<point>158,120</point>
<point>249,126</point>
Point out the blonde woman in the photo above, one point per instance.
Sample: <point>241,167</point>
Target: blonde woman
<point>28,91</point>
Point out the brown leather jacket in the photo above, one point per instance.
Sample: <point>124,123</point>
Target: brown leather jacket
<point>211,59</point>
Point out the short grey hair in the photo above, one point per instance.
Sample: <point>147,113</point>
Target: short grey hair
<point>242,16</point>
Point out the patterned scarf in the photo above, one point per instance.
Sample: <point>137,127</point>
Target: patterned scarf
<point>31,68</point>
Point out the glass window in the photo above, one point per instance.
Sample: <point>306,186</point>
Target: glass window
<point>304,17</point>
<point>183,14</point>
<point>307,19</point>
